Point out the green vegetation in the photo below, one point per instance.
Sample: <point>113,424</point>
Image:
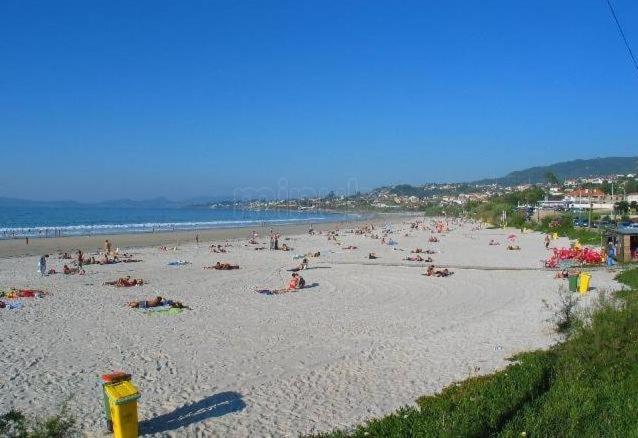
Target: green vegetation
<point>15,424</point>
<point>585,386</point>
<point>564,226</point>
<point>568,170</point>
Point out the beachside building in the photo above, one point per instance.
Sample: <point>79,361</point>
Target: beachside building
<point>625,240</point>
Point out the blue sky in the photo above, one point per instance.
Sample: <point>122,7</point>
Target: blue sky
<point>110,99</point>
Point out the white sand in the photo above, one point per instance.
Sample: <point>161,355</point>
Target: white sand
<point>366,341</point>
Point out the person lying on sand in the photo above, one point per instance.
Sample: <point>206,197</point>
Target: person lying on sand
<point>494,242</point>
<point>433,272</point>
<point>417,251</point>
<point>125,282</point>
<point>65,256</point>
<point>433,239</point>
<point>416,258</point>
<point>285,247</point>
<point>71,271</point>
<point>313,254</point>
<point>302,266</point>
<point>513,247</point>
<point>156,302</point>
<point>349,247</point>
<point>217,249</point>
<point>372,256</point>
<point>222,266</point>
<point>296,282</point>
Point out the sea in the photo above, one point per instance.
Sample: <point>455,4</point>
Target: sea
<point>45,222</point>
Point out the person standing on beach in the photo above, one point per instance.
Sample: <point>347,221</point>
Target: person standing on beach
<point>107,246</point>
<point>42,264</point>
<point>197,239</point>
<point>80,259</point>
<point>27,240</point>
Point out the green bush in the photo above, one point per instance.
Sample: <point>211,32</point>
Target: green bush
<point>15,424</point>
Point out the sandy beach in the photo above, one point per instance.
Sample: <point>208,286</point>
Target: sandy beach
<point>369,337</point>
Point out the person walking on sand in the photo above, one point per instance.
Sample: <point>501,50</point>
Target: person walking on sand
<point>80,259</point>
<point>107,246</point>
<point>42,265</point>
<point>547,240</point>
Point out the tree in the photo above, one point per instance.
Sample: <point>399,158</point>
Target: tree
<point>551,178</point>
<point>622,207</point>
<point>634,206</point>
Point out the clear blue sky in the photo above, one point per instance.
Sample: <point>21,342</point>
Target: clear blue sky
<point>113,99</point>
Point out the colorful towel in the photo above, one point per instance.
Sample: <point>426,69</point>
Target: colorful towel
<point>179,263</point>
<point>161,311</point>
<point>12,305</point>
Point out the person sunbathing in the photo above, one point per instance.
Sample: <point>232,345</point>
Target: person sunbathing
<point>372,256</point>
<point>417,251</point>
<point>433,272</point>
<point>416,258</point>
<point>125,282</point>
<point>66,256</point>
<point>302,266</point>
<point>313,254</point>
<point>296,282</point>
<point>71,271</point>
<point>222,266</point>
<point>131,260</point>
<point>285,247</point>
<point>433,239</point>
<point>156,302</point>
<point>350,247</point>
<point>494,242</point>
<point>513,247</point>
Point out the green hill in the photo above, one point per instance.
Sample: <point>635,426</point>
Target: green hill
<point>568,170</point>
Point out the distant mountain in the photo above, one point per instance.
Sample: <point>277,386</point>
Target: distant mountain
<point>120,203</point>
<point>568,170</point>
<point>117,203</point>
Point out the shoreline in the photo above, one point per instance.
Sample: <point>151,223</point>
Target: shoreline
<point>10,248</point>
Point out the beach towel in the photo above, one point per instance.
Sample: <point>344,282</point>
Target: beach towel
<point>161,311</point>
<point>25,293</point>
<point>11,305</point>
<point>178,263</point>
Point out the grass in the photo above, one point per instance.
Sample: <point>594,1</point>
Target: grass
<point>585,386</point>
<point>15,424</point>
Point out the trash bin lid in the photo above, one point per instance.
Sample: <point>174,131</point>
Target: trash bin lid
<point>122,392</point>
<point>115,376</point>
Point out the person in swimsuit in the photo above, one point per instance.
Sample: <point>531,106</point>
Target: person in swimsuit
<point>156,302</point>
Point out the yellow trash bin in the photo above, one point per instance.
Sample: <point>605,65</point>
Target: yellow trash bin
<point>554,236</point>
<point>583,282</point>
<point>122,397</point>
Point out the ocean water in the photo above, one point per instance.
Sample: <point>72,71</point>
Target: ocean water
<point>49,222</point>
